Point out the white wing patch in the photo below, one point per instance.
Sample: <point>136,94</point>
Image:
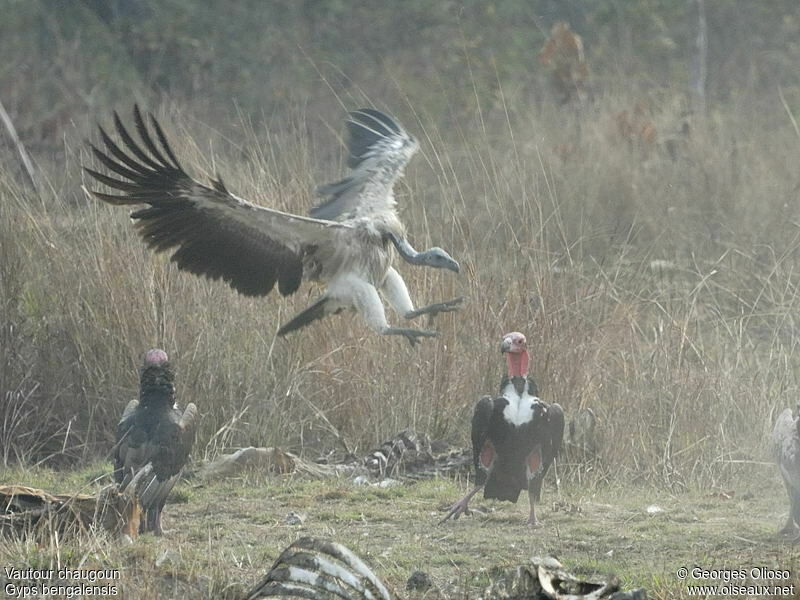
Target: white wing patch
<point>519,410</point>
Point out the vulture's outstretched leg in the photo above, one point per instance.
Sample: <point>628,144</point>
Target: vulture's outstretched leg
<point>532,520</point>
<point>397,294</point>
<point>462,506</point>
<point>367,301</point>
<point>412,335</point>
<point>435,309</point>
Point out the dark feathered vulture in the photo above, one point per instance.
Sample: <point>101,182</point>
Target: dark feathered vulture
<point>348,242</point>
<point>154,439</point>
<point>515,436</point>
<point>786,449</point>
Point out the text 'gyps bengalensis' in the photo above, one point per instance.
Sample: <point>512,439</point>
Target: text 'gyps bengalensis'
<point>515,436</point>
<point>348,242</point>
<point>153,440</point>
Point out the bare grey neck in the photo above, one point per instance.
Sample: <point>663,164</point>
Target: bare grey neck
<point>407,251</point>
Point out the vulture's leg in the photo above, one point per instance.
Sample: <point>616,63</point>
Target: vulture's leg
<point>412,335</point>
<point>462,506</point>
<point>400,300</point>
<point>365,298</point>
<point>532,520</point>
<point>435,309</point>
<point>397,294</point>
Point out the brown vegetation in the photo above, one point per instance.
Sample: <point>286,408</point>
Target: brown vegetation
<point>662,297</point>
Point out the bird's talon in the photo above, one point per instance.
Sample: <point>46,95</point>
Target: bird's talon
<point>434,309</point>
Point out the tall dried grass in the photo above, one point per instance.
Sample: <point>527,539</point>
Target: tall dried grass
<point>660,291</point>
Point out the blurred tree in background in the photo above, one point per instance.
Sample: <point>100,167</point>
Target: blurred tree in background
<point>63,58</point>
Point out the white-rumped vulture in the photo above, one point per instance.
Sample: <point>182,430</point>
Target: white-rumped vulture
<point>348,242</point>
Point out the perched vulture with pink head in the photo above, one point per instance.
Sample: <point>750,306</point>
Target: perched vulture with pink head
<point>154,439</point>
<point>515,436</point>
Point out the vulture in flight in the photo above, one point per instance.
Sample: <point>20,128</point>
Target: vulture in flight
<point>154,439</point>
<point>348,241</point>
<point>786,449</point>
<point>515,436</point>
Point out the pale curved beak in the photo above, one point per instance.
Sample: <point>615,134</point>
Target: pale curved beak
<point>452,265</point>
<point>505,346</point>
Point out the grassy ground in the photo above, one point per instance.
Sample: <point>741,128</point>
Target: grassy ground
<point>223,536</point>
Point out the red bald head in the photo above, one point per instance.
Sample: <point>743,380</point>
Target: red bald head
<point>515,346</point>
<point>155,358</point>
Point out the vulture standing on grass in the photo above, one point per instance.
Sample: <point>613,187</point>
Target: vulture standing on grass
<point>153,440</point>
<point>786,448</point>
<point>515,436</point>
<point>348,242</point>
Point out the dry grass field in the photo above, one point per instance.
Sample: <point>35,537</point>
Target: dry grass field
<point>222,537</point>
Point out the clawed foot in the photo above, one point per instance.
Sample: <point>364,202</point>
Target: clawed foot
<point>412,335</point>
<point>534,522</point>
<point>459,508</point>
<point>435,309</point>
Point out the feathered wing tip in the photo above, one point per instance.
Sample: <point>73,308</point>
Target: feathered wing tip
<point>312,568</point>
<point>367,127</point>
<point>153,163</point>
<point>375,139</point>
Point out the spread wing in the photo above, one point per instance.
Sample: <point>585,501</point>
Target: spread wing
<point>379,151</point>
<point>481,418</point>
<point>212,232</point>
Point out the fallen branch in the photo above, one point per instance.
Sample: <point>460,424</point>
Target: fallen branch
<point>24,509</point>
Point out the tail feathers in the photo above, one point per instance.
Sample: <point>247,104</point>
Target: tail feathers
<point>502,485</point>
<point>319,309</point>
